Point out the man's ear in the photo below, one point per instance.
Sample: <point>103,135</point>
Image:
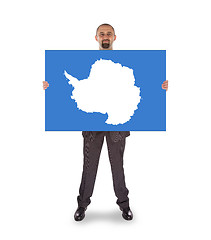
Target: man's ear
<point>96,38</point>
<point>114,37</point>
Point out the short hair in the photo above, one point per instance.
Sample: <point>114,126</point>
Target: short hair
<point>105,24</point>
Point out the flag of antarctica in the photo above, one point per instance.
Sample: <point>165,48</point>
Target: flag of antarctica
<point>96,90</point>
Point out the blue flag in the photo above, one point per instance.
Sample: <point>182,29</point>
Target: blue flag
<point>116,90</point>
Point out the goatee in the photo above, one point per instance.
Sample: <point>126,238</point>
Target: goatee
<point>105,45</point>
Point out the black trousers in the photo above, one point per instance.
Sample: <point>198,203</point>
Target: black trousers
<point>92,150</point>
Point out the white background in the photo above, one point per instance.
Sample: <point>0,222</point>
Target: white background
<point>167,173</point>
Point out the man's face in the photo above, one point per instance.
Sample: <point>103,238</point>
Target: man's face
<point>105,36</point>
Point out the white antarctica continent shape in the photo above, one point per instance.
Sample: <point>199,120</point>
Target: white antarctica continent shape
<point>110,88</point>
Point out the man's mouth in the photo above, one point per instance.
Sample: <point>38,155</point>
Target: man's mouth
<point>106,43</point>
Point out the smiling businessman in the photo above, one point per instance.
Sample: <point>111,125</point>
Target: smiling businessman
<point>93,142</point>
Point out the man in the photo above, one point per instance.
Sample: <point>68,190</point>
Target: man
<point>93,142</point>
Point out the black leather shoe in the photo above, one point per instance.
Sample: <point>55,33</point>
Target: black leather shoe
<point>79,214</point>
<point>127,213</point>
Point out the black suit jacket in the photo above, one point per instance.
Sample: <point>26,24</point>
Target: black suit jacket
<point>115,135</point>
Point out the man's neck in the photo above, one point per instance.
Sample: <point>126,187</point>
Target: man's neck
<point>106,49</point>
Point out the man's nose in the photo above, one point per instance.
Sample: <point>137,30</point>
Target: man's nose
<point>106,36</point>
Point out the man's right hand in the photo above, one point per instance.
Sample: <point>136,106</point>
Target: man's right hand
<point>45,85</point>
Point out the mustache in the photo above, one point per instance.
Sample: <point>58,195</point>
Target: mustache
<point>106,40</point>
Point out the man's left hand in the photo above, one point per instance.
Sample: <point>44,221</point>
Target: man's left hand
<point>165,85</point>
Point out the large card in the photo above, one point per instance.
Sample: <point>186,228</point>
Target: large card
<point>99,90</point>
